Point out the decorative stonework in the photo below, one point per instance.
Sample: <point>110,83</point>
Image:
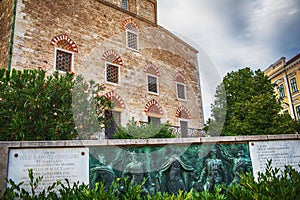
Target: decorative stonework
<point>115,98</point>
<point>65,37</point>
<point>150,68</point>
<point>179,78</point>
<point>113,57</point>
<point>130,21</point>
<point>182,112</point>
<point>150,104</point>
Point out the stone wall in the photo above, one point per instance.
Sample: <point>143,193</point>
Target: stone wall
<point>6,14</point>
<point>96,28</point>
<point>95,145</point>
<point>146,9</point>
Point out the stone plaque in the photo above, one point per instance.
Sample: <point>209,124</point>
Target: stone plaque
<point>281,152</point>
<point>51,163</point>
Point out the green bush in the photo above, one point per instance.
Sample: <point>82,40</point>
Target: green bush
<point>273,184</point>
<point>121,189</point>
<point>36,106</point>
<point>134,130</point>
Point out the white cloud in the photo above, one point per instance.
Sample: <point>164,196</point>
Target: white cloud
<point>233,34</point>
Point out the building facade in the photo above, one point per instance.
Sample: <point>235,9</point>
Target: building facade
<point>286,77</point>
<point>149,73</point>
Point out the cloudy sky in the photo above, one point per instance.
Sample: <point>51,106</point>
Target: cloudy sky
<point>233,34</point>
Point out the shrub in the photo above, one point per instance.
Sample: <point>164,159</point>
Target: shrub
<point>34,106</point>
<point>134,130</point>
<point>273,184</point>
<point>121,189</point>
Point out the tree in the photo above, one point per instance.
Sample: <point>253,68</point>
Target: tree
<point>36,106</point>
<point>246,104</point>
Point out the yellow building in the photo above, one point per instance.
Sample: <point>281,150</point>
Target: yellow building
<point>286,77</point>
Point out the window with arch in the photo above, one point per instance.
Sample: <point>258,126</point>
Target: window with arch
<point>180,87</point>
<point>152,78</point>
<point>132,37</point>
<point>113,116</point>
<point>112,67</point>
<point>184,116</point>
<point>125,4</point>
<point>64,53</point>
<point>154,112</point>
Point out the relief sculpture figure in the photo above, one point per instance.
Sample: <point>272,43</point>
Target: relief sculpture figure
<point>213,172</point>
<point>102,173</point>
<point>240,163</point>
<point>173,175</point>
<point>135,171</point>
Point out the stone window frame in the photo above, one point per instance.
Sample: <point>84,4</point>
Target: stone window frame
<point>177,93</point>
<point>55,59</point>
<point>157,84</point>
<point>119,68</point>
<point>134,33</point>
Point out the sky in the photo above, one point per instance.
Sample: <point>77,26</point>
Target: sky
<point>233,34</point>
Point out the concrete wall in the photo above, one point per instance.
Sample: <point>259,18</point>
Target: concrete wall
<point>5,146</point>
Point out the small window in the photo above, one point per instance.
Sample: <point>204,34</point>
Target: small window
<point>113,121</point>
<point>112,73</point>
<point>125,4</point>
<point>184,128</point>
<point>132,40</point>
<point>294,85</point>
<point>152,84</point>
<point>281,91</point>
<point>132,37</point>
<point>63,60</point>
<point>153,120</point>
<point>298,112</point>
<point>181,91</point>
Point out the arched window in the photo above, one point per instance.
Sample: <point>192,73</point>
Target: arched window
<point>125,4</point>
<point>132,34</point>
<point>112,66</point>
<point>180,87</point>
<point>113,117</point>
<point>64,53</point>
<point>132,37</point>
<point>152,78</point>
<point>154,112</point>
<point>184,115</point>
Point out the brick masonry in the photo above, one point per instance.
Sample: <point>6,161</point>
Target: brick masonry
<point>96,30</point>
